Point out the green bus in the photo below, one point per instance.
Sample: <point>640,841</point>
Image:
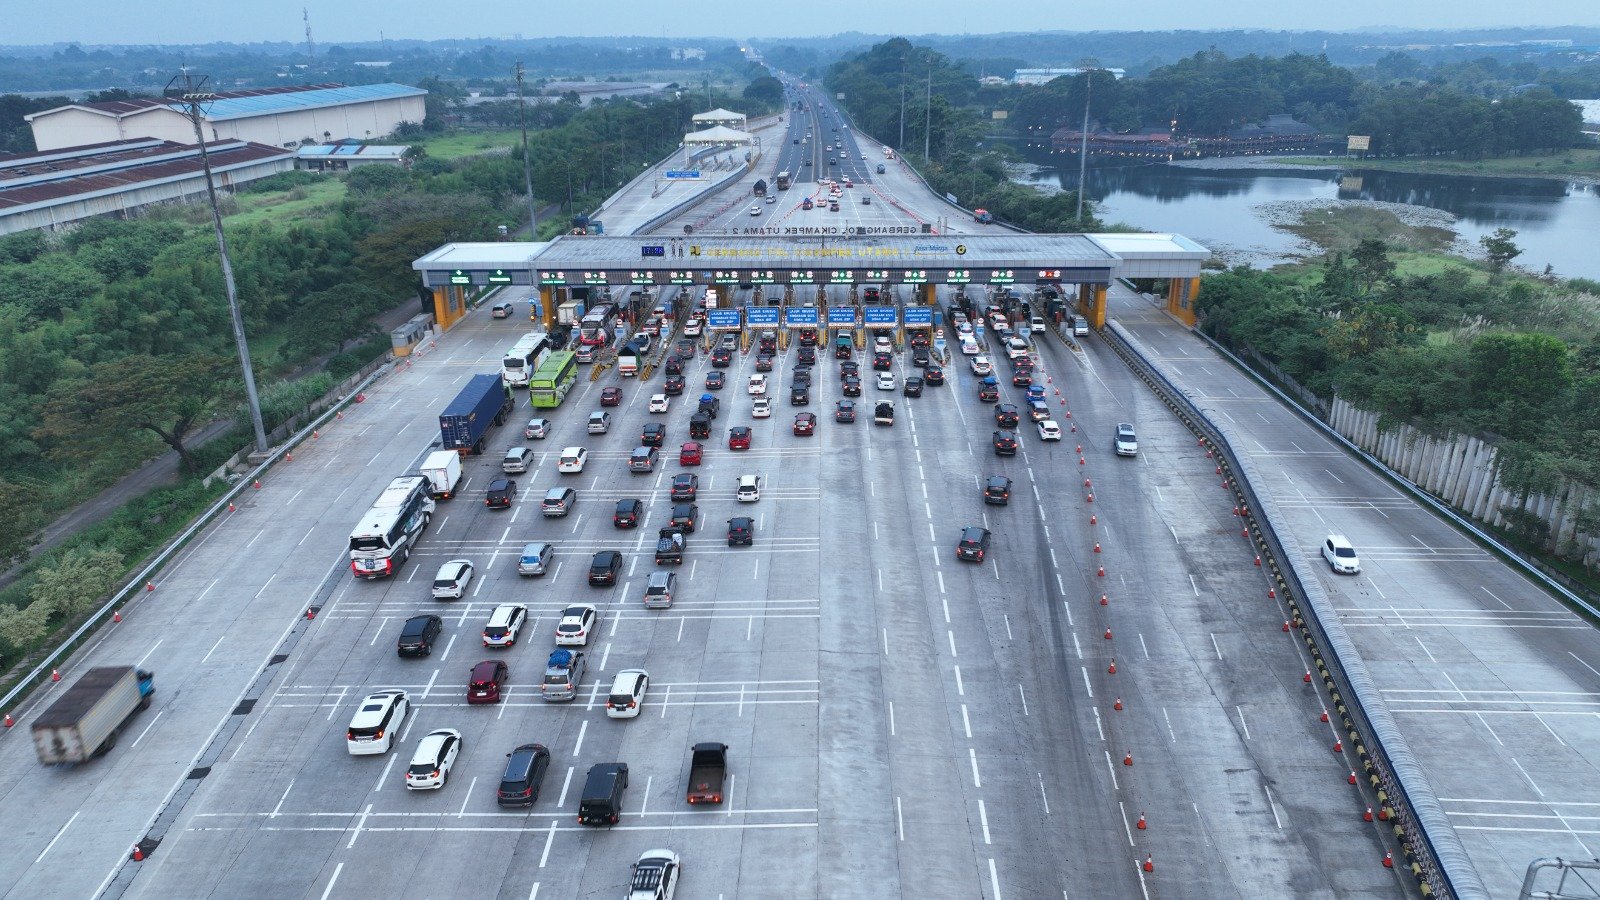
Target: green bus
<point>554,377</point>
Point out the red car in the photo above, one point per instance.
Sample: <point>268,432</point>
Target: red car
<point>486,680</point>
<point>805,423</point>
<point>690,454</point>
<point>739,438</point>
<point>611,397</point>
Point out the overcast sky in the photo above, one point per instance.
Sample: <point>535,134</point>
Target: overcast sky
<point>187,21</point>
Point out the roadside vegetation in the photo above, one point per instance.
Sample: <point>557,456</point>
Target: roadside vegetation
<point>1578,162</point>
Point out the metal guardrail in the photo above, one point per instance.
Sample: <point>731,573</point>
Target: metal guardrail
<point>136,584</point>
<point>1417,491</point>
<point>1429,844</point>
<point>677,209</point>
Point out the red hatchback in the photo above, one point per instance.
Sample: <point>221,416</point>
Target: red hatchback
<point>611,396</point>
<point>690,454</point>
<point>486,681</point>
<point>739,438</point>
<point>805,423</point>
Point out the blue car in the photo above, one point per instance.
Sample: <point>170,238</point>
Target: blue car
<point>1035,392</point>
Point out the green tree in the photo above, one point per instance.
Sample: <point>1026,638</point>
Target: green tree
<point>169,397</point>
<point>24,627</point>
<point>77,580</point>
<point>19,509</point>
<point>1516,377</point>
<point>50,285</point>
<point>1500,248</point>
<point>766,91</point>
<point>1372,263</point>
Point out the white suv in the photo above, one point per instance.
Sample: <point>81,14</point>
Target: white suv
<point>377,720</point>
<point>452,580</point>
<point>504,623</point>
<point>572,459</point>
<point>626,697</point>
<point>1341,555</point>
<point>435,756</point>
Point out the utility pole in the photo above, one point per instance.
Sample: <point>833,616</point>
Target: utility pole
<point>1083,144</point>
<point>311,49</point>
<point>192,97</point>
<point>527,161</point>
<point>927,125</point>
<point>902,144</point>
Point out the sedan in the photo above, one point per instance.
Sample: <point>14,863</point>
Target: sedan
<point>654,434</point>
<point>849,367</point>
<point>1006,415</point>
<point>1022,378</point>
<point>685,516</point>
<point>691,454</point>
<point>885,381</point>
<point>805,424</point>
<point>739,437</point>
<point>576,624</point>
<point>764,362</point>
<point>537,429</point>
<point>845,411</point>
<point>435,756</point>
<point>933,375</point>
<point>913,386</point>
<point>761,408</point>
<point>658,403</point>
<point>684,348</point>
<point>1005,443</point>
<point>715,380</point>
<point>611,396</point>
<point>1049,430</point>
<point>685,486</point>
<point>675,385</point>
<point>721,359</point>
<point>758,385</point>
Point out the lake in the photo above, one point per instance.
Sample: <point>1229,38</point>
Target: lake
<point>1557,222</point>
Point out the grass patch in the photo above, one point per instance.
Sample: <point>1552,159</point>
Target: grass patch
<point>469,143</point>
<point>1342,227</point>
<point>299,203</point>
<point>1577,161</point>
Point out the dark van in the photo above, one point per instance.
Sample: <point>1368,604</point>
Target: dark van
<point>418,635</point>
<point>602,794</point>
<point>525,768</point>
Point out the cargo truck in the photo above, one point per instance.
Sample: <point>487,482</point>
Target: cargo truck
<point>485,401</point>
<point>442,468</point>
<point>83,723</point>
<point>628,360</point>
<point>761,187</point>
<point>982,216</point>
<point>708,767</point>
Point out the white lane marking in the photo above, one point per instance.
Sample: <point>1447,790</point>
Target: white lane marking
<point>966,723</point>
<point>158,717</point>
<point>361,823</point>
<point>1024,699</point>
<point>1170,729</point>
<point>960,690</point>
<point>383,778</point>
<point>1214,646</point>
<point>328,891</point>
<point>57,837</point>
<point>1126,828</point>
<point>899,819</point>
<point>972,757</point>
<point>1242,723</point>
<point>566,783</point>
<point>891,718</point>
<point>452,642</point>
<point>1086,685</point>
<point>994,878</point>
<point>213,648</point>
<point>952,635</point>
<point>468,798</point>
<point>885,638</point>
<point>583,728</point>
<point>550,838</point>
<point>1007,618</point>
<point>983,819</point>
<point>1075,646</point>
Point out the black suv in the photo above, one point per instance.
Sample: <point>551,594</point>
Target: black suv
<point>934,374</point>
<point>685,516</point>
<point>685,486</point>
<point>919,357</point>
<point>628,513</point>
<point>604,568</point>
<point>799,396</point>
<point>525,768</point>
<point>882,362</point>
<point>654,434</point>
<point>418,635</point>
<point>1005,443</point>
<point>675,385</point>
<point>674,365</point>
<point>997,490</point>
<point>741,530</point>
<point>700,425</point>
<point>851,386</point>
<point>500,492</point>
<point>974,544</point>
<point>849,367</point>
<point>1006,415</point>
<point>721,358</point>
<point>808,354</point>
<point>710,406</point>
<point>913,386</point>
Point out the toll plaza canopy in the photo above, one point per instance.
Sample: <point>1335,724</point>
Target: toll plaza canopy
<point>720,116</point>
<point>721,136</point>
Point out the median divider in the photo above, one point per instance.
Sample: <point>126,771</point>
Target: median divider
<point>1429,845</point>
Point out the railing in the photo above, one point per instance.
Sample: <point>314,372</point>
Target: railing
<point>1430,847</point>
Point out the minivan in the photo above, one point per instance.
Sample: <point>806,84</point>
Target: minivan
<point>626,696</point>
<point>643,459</point>
<point>558,502</point>
<point>599,422</point>
<point>418,634</point>
<point>516,460</point>
<point>535,558</point>
<point>601,802</point>
<point>525,768</point>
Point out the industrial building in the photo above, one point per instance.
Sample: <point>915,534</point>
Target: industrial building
<point>277,116</point>
<point>344,156</point>
<point>52,188</point>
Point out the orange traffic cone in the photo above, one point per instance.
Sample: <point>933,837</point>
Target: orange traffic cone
<point>138,853</point>
<point>1367,816</point>
<point>1128,759</point>
<point>1118,706</point>
<point>1097,546</point>
<point>1149,863</point>
<point>1140,826</point>
<point>1093,519</point>
<point>116,616</point>
<point>1388,860</point>
<point>1112,669</point>
<point>55,674</point>
<point>1307,679</point>
<point>9,721</point>
<point>1105,600</point>
<point>1108,634</point>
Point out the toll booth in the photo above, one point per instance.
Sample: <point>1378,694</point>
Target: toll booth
<point>842,323</point>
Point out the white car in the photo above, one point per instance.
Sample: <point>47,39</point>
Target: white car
<point>577,624</point>
<point>761,408</point>
<point>885,381</point>
<point>748,489</point>
<point>758,384</point>
<point>658,403</point>
<point>772,199</point>
<point>1049,430</point>
<point>969,346</point>
<point>452,580</point>
<point>692,328</point>
<point>626,697</point>
<point>537,429</point>
<point>377,720</point>
<point>755,210</point>
<point>572,460</point>
<point>1016,347</point>
<point>981,366</point>
<point>1127,442</point>
<point>504,623</point>
<point>1341,555</point>
<point>431,764</point>
<point>882,344</point>
<point>655,875</point>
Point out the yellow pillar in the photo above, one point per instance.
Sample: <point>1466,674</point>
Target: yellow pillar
<point>1097,307</point>
<point>929,295</point>
<point>448,306</point>
<point>547,307</point>
<point>1181,294</point>
<point>1083,300</point>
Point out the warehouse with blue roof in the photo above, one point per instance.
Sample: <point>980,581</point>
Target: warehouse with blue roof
<point>285,116</point>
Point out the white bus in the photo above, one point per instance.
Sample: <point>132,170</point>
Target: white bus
<point>524,358</point>
<point>384,537</point>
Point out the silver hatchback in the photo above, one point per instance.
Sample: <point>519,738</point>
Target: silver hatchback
<point>535,558</point>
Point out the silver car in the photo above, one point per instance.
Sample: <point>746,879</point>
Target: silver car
<point>535,558</point>
<point>537,429</point>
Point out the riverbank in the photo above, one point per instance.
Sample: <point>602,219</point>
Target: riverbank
<point>1581,166</point>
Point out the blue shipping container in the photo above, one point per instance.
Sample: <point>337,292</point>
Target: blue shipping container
<point>485,401</point>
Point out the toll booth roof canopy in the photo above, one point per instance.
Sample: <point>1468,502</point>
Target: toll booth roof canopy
<point>721,134</point>
<point>622,252</point>
<point>1151,246</point>
<point>479,256</point>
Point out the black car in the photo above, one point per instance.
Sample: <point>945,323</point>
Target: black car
<point>808,353</point>
<point>920,357</point>
<point>767,342</point>
<point>700,425</point>
<point>675,385</point>
<point>1021,378</point>
<point>685,516</point>
<point>808,337</point>
<point>684,348</point>
<point>710,406</point>
<point>989,390</point>
<point>799,396</point>
<point>882,362</point>
<point>1005,443</point>
<point>674,365</point>
<point>500,492</point>
<point>685,486</point>
<point>763,362</point>
<point>845,411</point>
<point>605,567</point>
<point>721,358</point>
<point>974,544</point>
<point>525,768</point>
<point>851,386</point>
<point>653,435</point>
<point>997,490</point>
<point>741,530</point>
<point>418,635</point>
<point>913,386</point>
<point>933,375</point>
<point>669,546</point>
<point>802,378</point>
<point>628,513</point>
<point>919,338</point>
<point>715,380</point>
<point>849,367</point>
<point>1006,415</point>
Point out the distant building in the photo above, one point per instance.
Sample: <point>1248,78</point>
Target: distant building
<point>688,53</point>
<point>1277,134</point>
<point>1044,76</point>
<point>342,157</point>
<point>278,116</point>
<point>53,188</point>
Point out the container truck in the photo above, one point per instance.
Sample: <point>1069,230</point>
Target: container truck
<point>628,360</point>
<point>708,768</point>
<point>442,468</point>
<point>83,723</point>
<point>485,401</point>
